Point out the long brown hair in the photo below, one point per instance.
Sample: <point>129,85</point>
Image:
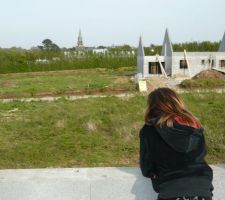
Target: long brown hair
<point>164,105</point>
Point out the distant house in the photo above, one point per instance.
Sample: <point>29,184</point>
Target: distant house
<point>100,51</point>
<point>56,59</point>
<point>39,60</point>
<point>175,64</point>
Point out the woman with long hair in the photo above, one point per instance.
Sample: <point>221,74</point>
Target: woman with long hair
<point>172,149</point>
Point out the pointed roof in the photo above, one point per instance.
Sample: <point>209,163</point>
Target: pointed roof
<point>140,48</point>
<point>167,48</point>
<point>80,35</point>
<point>80,39</point>
<point>222,44</point>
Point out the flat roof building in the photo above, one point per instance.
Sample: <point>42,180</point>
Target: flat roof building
<point>175,64</point>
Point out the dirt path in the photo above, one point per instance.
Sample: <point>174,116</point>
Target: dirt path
<point>70,98</point>
<point>73,98</point>
<point>67,93</point>
<point>157,81</point>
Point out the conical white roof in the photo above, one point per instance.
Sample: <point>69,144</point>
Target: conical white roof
<point>140,48</point>
<point>222,44</point>
<point>167,48</point>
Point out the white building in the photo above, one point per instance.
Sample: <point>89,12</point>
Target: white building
<point>99,51</point>
<point>175,64</point>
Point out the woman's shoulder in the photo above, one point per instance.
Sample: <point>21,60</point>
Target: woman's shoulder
<point>147,129</point>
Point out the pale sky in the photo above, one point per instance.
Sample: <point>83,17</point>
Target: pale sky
<point>26,23</point>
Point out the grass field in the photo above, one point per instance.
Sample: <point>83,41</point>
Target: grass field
<point>65,82</point>
<point>93,132</point>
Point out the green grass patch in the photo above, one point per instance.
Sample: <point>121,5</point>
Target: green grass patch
<point>202,83</point>
<point>93,132</point>
<point>62,82</point>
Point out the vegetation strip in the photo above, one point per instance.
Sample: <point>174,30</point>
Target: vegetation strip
<point>75,82</point>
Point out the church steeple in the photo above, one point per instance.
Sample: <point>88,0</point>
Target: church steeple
<point>80,40</point>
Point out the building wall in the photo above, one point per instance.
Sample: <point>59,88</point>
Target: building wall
<point>195,60</point>
<point>172,63</point>
<point>168,65</point>
<point>148,59</point>
<point>218,57</point>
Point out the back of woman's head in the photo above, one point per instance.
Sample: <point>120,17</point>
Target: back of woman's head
<point>164,105</point>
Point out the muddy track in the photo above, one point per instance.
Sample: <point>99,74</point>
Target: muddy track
<point>68,93</point>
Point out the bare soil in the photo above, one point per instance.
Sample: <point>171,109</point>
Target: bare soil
<point>8,83</point>
<point>53,73</point>
<point>121,80</point>
<point>69,93</point>
<point>210,74</point>
<point>157,81</point>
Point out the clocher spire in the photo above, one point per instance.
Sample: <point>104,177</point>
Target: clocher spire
<point>80,40</point>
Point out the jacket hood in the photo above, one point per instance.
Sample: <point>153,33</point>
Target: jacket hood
<point>181,138</point>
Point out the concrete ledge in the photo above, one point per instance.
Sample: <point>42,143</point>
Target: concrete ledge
<point>109,183</point>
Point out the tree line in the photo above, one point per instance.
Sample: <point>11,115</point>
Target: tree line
<point>189,46</point>
<point>49,56</point>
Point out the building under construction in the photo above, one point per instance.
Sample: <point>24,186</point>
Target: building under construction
<point>176,64</point>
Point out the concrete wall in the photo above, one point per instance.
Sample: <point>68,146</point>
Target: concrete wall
<point>219,56</point>
<point>148,59</point>
<point>172,64</point>
<point>111,183</point>
<point>195,62</point>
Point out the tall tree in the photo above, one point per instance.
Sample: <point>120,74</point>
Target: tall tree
<point>48,45</point>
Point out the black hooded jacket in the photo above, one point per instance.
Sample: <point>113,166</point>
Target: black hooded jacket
<point>174,160</point>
